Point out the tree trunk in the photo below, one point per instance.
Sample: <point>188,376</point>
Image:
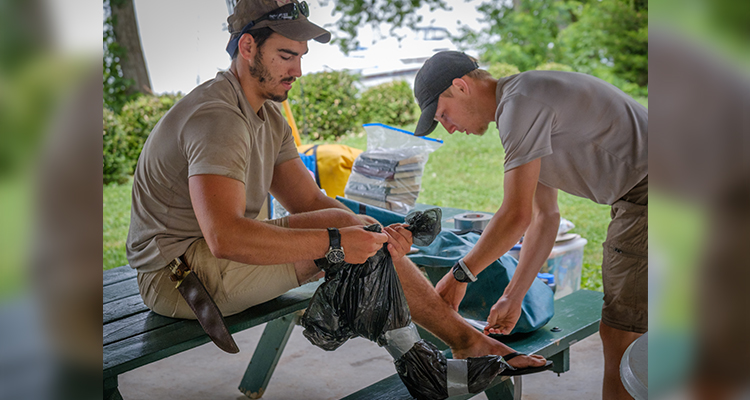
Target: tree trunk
<point>126,34</point>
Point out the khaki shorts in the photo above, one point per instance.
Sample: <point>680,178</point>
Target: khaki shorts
<point>234,286</point>
<point>625,267</point>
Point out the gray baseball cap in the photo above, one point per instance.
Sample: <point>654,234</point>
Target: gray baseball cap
<point>285,17</point>
<point>435,77</point>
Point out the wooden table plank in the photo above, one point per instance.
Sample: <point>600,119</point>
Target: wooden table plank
<point>134,325</point>
<point>577,316</point>
<point>120,290</point>
<point>118,274</point>
<point>123,308</point>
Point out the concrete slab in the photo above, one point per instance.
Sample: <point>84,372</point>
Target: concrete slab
<point>307,372</point>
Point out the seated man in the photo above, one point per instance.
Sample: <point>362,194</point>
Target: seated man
<point>210,163</point>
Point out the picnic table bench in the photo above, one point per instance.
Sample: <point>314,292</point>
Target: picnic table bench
<point>135,336</point>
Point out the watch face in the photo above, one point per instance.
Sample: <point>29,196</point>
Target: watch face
<point>335,256</point>
<point>460,275</point>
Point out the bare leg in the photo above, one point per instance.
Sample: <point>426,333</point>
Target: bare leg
<point>321,219</point>
<point>615,342</point>
<point>430,311</point>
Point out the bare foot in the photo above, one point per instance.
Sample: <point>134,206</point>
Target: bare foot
<point>485,345</point>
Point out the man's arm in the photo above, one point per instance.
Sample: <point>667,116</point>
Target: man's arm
<point>219,205</point>
<point>295,189</point>
<point>512,219</point>
<point>537,245</point>
<point>504,230</point>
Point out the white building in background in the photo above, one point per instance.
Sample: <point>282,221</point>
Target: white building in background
<point>391,59</point>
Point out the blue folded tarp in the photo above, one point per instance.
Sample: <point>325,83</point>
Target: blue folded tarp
<point>448,248</point>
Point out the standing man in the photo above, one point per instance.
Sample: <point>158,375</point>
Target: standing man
<point>560,130</point>
<point>211,161</point>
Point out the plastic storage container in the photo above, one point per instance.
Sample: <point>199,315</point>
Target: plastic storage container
<point>564,262</point>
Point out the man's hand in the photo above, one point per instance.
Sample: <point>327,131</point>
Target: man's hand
<point>367,220</point>
<point>399,240</point>
<point>451,290</point>
<point>503,316</point>
<point>359,244</point>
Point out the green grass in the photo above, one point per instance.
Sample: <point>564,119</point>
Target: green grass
<point>116,221</point>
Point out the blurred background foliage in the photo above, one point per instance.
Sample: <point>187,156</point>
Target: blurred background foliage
<point>34,81</point>
<point>607,39</point>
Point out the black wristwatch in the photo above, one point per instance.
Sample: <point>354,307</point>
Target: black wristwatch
<point>335,252</point>
<point>461,272</point>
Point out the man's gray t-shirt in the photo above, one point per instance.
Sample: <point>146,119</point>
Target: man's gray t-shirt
<point>212,130</point>
<point>592,137</point>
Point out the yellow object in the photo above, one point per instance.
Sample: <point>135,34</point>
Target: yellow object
<point>334,164</point>
<point>290,120</point>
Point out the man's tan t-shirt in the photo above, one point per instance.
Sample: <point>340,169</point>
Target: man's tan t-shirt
<point>592,137</point>
<point>212,130</point>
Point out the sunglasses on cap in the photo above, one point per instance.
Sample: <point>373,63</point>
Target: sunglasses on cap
<point>286,12</point>
<point>289,11</point>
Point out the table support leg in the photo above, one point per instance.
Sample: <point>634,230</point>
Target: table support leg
<point>266,356</point>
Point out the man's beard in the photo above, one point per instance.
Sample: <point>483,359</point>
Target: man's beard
<point>261,73</point>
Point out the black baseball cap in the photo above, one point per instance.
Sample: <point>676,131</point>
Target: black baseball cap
<point>435,77</point>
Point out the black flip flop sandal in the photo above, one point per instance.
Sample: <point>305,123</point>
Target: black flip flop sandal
<point>523,371</point>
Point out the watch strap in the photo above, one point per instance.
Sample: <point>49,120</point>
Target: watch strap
<point>461,264</point>
<point>334,238</point>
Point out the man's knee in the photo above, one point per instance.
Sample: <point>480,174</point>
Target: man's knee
<point>615,338</point>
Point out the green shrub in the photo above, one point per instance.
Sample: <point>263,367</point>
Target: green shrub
<point>138,118</point>
<point>125,133</point>
<point>604,73</point>
<point>630,88</point>
<point>553,66</point>
<point>324,104</point>
<point>389,103</point>
<point>116,163</point>
<point>501,70</point>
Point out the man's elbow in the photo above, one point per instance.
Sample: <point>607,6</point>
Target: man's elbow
<point>547,218</point>
<point>521,220</point>
<point>220,245</point>
<point>552,216</point>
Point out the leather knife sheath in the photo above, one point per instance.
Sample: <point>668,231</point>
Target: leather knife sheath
<point>204,307</point>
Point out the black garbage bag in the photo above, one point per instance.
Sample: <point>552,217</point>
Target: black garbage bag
<point>367,300</point>
<point>424,226</point>
<point>356,300</point>
<point>364,299</point>
<point>424,371</point>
